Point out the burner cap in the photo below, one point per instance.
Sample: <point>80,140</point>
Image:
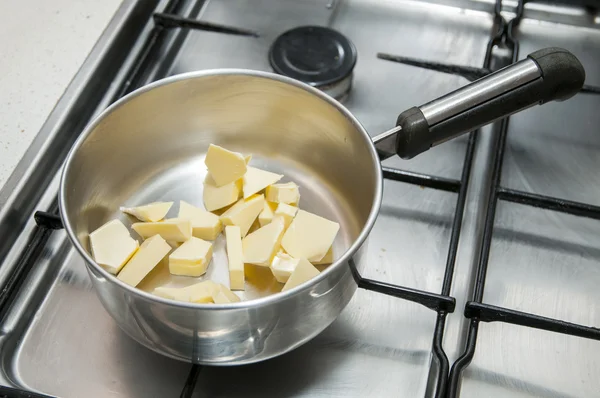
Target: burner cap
<point>315,55</point>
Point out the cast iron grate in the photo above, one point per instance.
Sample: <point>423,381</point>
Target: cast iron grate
<point>475,309</point>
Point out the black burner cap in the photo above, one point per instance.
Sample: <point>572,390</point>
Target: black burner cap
<point>315,55</point>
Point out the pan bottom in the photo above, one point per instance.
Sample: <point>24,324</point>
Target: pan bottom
<point>183,181</point>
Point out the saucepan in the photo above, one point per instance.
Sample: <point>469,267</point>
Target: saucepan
<point>150,145</point>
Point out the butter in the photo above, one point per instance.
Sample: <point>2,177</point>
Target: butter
<point>303,272</point>
<point>191,258</point>
<point>155,211</point>
<point>222,295</point>
<point>287,212</point>
<point>151,252</point>
<point>328,259</point>
<point>225,166</point>
<point>283,193</point>
<point>235,257</point>
<point>112,246</point>
<point>171,293</point>
<point>201,292</point>
<point>260,246</point>
<point>266,215</point>
<point>173,229</point>
<point>218,197</point>
<point>254,227</point>
<point>205,225</point>
<point>255,180</point>
<point>243,213</point>
<point>248,158</point>
<point>282,266</point>
<point>309,236</point>
<point>174,245</point>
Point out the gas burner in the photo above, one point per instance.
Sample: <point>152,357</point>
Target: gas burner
<point>316,55</point>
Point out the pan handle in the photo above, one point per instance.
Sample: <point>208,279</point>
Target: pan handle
<point>545,75</point>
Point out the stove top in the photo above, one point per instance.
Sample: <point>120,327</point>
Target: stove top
<point>513,208</point>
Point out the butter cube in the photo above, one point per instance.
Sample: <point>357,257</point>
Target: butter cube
<point>303,272</point>
<point>287,212</point>
<point>222,295</point>
<point>218,197</point>
<point>151,252</point>
<point>205,225</point>
<point>173,229</point>
<point>328,259</point>
<point>112,246</point>
<point>248,158</point>
<point>243,213</point>
<point>191,258</point>
<point>155,211</point>
<point>283,265</point>
<point>171,293</point>
<point>260,246</point>
<point>309,236</point>
<point>225,166</point>
<point>283,193</point>
<point>255,225</point>
<point>255,180</point>
<point>201,292</point>
<point>266,215</point>
<point>235,257</point>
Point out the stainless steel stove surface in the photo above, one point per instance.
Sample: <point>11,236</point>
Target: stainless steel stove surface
<point>57,340</point>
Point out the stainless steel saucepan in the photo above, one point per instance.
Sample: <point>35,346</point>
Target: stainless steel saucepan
<point>150,145</point>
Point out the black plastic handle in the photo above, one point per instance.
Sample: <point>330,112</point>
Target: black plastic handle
<point>550,74</point>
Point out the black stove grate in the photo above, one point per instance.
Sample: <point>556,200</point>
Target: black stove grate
<point>442,303</point>
<point>476,310</point>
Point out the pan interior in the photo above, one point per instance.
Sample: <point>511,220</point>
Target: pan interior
<point>151,147</point>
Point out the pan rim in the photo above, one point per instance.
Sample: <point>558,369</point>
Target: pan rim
<point>242,305</point>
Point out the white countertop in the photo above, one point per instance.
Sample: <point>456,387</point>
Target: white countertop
<point>43,43</point>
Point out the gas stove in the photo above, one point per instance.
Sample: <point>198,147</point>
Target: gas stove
<point>484,264</point>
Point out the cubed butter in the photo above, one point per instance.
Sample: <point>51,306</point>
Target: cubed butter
<point>155,211</point>
<point>255,180</point>
<point>151,252</point>
<point>266,215</point>
<point>309,236</point>
<point>171,293</point>
<point>303,272</point>
<point>205,225</point>
<point>235,257</point>
<point>248,158</point>
<point>328,259</point>
<point>287,212</point>
<point>191,258</point>
<point>201,292</point>
<point>260,246</point>
<point>254,227</point>
<point>112,246</point>
<point>222,295</point>
<point>218,197</point>
<point>243,213</point>
<point>174,245</point>
<point>283,193</point>
<point>225,166</point>
<point>282,266</point>
<point>172,229</point>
